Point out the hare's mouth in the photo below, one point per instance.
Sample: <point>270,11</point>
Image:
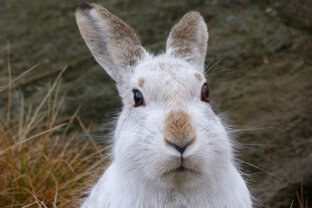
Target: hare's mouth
<point>181,167</point>
<point>181,170</point>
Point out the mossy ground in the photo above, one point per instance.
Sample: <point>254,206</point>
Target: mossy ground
<point>260,72</point>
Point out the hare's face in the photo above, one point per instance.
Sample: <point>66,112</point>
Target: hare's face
<point>167,131</point>
<point>173,135</point>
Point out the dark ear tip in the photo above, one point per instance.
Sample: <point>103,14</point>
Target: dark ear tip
<point>83,6</point>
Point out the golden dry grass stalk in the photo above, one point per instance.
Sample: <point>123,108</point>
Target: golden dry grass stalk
<point>41,163</point>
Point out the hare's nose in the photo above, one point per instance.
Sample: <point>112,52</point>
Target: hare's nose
<point>179,132</point>
<point>180,148</point>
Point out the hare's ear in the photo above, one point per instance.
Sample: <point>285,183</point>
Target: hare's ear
<point>188,39</point>
<point>114,44</point>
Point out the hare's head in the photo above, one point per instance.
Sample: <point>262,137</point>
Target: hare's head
<point>167,131</point>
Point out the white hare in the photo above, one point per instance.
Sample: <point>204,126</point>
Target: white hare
<point>170,148</point>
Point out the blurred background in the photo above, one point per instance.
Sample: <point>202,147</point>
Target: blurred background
<point>259,63</point>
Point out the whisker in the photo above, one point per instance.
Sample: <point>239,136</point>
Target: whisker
<point>217,62</point>
<point>246,147</point>
<point>221,70</point>
<point>246,144</point>
<point>216,52</point>
<point>259,168</point>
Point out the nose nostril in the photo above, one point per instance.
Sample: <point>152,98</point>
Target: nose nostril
<point>181,149</point>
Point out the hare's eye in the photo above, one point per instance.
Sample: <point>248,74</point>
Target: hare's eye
<point>138,98</point>
<point>205,93</point>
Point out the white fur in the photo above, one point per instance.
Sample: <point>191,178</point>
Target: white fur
<point>141,172</point>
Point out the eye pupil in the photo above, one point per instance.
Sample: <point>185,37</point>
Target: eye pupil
<point>205,93</point>
<point>206,90</point>
<point>138,98</point>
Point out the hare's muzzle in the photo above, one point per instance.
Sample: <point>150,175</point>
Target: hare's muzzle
<point>179,132</point>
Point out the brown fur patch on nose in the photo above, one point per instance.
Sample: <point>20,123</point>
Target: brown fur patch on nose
<point>178,128</point>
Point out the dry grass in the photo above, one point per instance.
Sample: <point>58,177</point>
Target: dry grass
<point>303,202</point>
<point>41,163</point>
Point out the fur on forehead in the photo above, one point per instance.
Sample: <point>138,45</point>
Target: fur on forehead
<point>167,66</point>
<point>165,79</point>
